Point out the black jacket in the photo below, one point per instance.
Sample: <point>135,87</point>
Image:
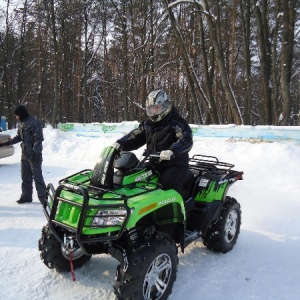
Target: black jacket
<point>30,133</point>
<point>172,133</point>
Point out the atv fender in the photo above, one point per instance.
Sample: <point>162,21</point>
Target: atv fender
<point>211,213</point>
<point>200,218</point>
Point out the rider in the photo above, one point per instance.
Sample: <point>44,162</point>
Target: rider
<point>167,133</point>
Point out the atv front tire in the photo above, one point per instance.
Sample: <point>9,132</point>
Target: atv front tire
<point>222,234</point>
<point>149,272</point>
<point>54,255</point>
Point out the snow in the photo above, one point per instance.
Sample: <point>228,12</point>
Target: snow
<point>264,264</point>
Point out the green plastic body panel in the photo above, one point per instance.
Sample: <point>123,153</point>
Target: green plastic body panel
<point>138,194</point>
<point>212,188</point>
<point>142,175</point>
<point>140,203</point>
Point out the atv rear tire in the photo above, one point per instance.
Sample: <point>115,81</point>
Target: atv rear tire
<point>54,256</point>
<point>222,234</point>
<point>149,272</point>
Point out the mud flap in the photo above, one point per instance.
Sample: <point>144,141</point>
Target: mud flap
<point>210,214</point>
<point>199,217</point>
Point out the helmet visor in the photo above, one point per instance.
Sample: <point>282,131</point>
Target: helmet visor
<point>155,110</point>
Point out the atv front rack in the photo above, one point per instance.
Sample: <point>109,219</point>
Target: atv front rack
<point>84,207</point>
<point>92,199</point>
<point>203,163</point>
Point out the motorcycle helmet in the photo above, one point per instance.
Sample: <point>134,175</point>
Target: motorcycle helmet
<point>158,105</point>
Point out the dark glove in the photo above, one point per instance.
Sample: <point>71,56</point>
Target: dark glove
<point>146,152</point>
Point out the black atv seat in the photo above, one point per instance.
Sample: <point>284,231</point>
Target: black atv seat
<point>125,165</point>
<point>126,161</point>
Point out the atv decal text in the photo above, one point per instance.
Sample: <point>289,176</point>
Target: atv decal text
<point>167,201</point>
<point>144,176</point>
<point>227,180</point>
<point>104,173</point>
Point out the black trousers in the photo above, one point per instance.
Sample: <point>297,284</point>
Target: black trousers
<point>173,177</point>
<point>31,169</point>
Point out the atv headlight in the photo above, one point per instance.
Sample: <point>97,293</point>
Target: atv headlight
<point>109,217</point>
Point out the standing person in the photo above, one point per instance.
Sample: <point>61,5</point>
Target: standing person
<point>30,134</point>
<point>165,132</point>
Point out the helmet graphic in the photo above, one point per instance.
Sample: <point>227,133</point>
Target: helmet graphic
<point>158,105</point>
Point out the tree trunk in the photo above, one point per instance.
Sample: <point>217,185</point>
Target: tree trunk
<point>208,76</point>
<point>6,82</point>
<point>265,58</point>
<point>236,114</point>
<point>192,79</point>
<point>55,118</point>
<point>22,54</point>
<point>85,64</point>
<point>274,66</point>
<point>245,18</point>
<point>289,19</point>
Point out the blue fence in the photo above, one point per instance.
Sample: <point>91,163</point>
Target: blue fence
<point>199,131</point>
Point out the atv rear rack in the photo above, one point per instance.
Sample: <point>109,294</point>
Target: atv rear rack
<point>204,163</point>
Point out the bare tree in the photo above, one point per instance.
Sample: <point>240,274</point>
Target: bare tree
<point>261,11</point>
<point>88,60</point>
<point>286,57</point>
<point>56,64</point>
<point>213,30</point>
<point>245,21</point>
<point>191,77</point>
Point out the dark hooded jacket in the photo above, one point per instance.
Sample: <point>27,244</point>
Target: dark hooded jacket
<point>30,134</point>
<point>172,133</point>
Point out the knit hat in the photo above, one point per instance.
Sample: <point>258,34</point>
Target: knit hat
<point>21,111</point>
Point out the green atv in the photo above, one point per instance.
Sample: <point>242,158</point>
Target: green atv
<point>120,208</point>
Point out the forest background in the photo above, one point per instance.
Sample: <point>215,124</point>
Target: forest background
<point>222,62</point>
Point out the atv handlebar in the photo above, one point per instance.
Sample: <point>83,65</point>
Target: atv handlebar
<point>148,153</point>
<point>155,155</point>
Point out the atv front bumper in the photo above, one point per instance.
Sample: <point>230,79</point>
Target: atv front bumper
<point>70,210</point>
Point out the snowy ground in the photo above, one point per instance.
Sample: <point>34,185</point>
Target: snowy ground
<point>264,264</point>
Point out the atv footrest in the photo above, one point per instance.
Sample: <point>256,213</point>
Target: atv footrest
<point>191,236</point>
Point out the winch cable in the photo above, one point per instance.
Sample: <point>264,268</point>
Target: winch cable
<point>71,266</point>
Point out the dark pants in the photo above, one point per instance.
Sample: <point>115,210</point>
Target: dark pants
<point>173,178</point>
<point>31,169</point>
